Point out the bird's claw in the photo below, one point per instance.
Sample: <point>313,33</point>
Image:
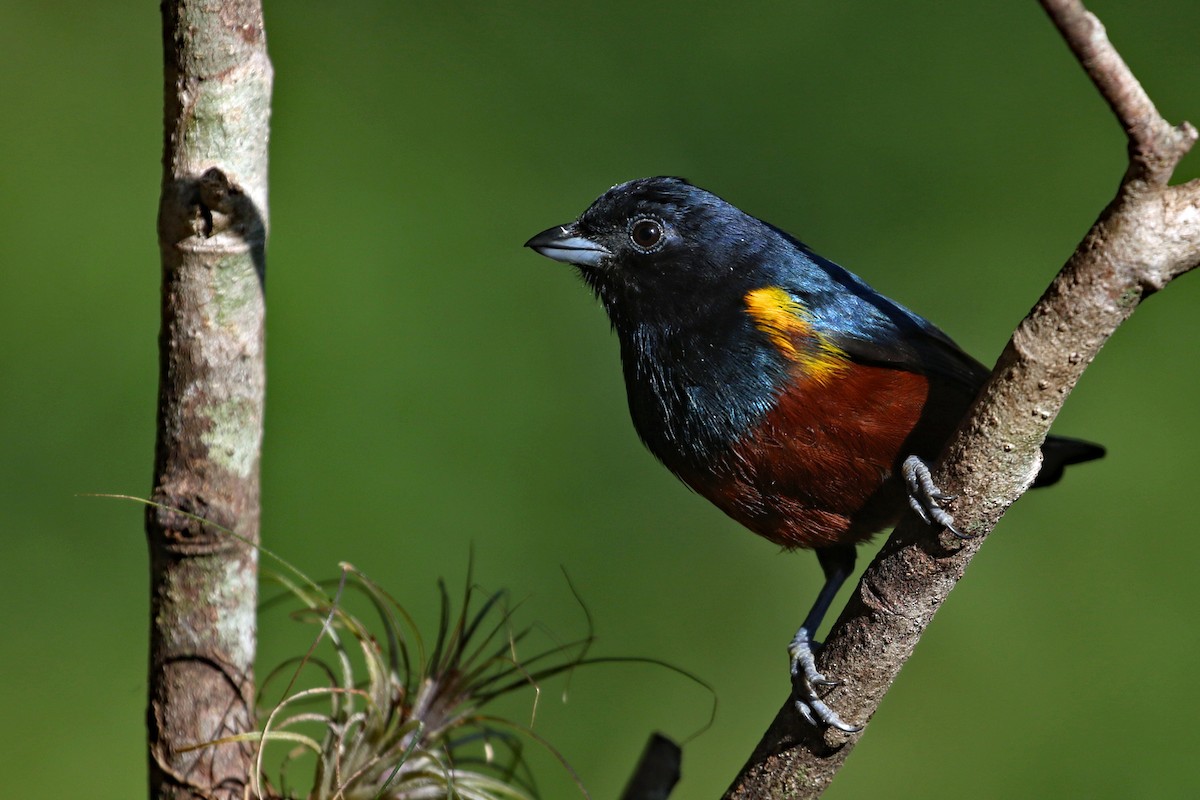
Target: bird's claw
<point>805,679</point>
<point>924,496</point>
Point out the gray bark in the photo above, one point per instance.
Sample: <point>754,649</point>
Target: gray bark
<point>212,228</point>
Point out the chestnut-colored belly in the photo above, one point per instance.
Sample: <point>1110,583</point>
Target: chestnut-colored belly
<point>821,467</point>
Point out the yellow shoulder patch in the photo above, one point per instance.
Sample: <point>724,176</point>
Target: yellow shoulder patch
<point>788,324</point>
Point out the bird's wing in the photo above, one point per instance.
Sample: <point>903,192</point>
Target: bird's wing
<point>916,351</point>
<point>872,329</point>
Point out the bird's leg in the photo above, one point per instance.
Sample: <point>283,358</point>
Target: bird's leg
<point>837,562</point>
<point>923,495</point>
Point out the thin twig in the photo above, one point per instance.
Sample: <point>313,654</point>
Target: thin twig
<point>1155,147</point>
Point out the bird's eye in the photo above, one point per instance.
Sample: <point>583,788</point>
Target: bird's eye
<point>646,234</point>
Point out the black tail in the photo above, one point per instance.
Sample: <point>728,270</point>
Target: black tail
<point>1060,452</point>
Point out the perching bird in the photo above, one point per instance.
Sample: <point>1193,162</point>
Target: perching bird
<point>781,387</point>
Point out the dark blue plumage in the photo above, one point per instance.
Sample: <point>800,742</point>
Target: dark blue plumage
<point>775,383</point>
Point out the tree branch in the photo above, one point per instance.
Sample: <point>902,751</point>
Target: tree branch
<point>657,770</point>
<point>212,237</point>
<point>1155,147</point>
<point>1148,235</point>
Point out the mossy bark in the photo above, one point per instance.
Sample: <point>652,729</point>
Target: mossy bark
<point>212,228</point>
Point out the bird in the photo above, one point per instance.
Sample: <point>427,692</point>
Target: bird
<point>774,383</point>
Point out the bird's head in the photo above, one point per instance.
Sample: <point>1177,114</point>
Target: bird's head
<point>660,247</point>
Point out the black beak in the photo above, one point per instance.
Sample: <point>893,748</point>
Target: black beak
<point>563,243</point>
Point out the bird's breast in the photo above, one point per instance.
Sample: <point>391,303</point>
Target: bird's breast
<point>772,422</point>
<point>820,466</point>
<point>693,394</point>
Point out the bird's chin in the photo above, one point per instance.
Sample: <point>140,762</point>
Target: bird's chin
<point>561,243</point>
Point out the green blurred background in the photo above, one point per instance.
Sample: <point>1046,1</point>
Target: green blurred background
<point>434,387</point>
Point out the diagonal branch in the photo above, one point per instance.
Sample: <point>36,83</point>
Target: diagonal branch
<point>1148,235</point>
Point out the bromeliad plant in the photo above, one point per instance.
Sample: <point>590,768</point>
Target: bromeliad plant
<point>399,722</point>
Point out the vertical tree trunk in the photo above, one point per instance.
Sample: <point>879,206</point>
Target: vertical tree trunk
<point>212,233</point>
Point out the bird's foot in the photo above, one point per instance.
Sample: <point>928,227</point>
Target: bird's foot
<point>924,496</point>
<point>806,679</point>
